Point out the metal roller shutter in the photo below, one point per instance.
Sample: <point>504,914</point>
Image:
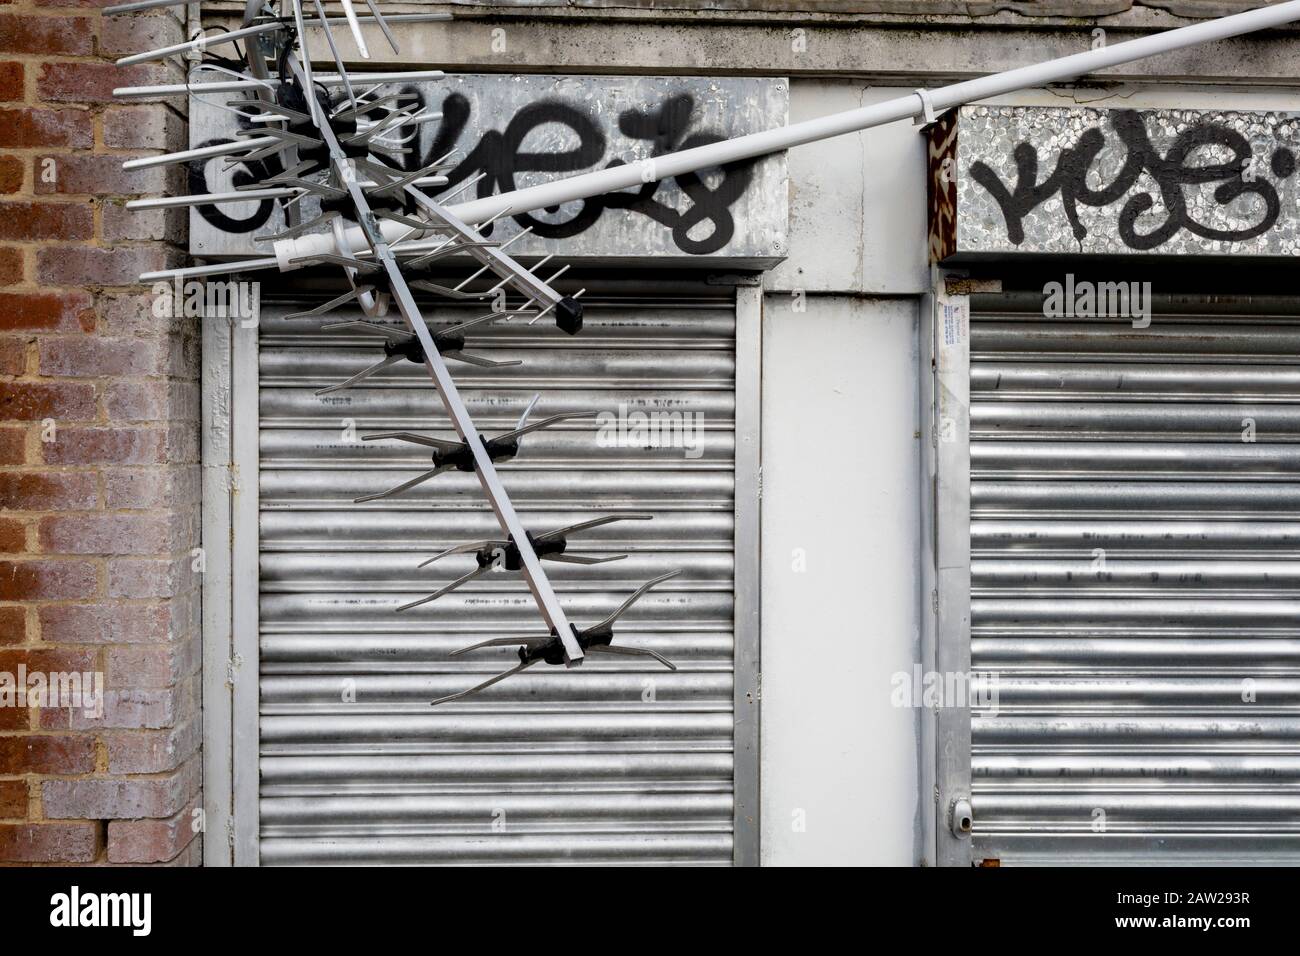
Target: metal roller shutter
<point>1135,581</point>
<point>616,761</point>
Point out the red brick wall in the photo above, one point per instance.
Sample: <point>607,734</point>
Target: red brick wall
<point>99,474</point>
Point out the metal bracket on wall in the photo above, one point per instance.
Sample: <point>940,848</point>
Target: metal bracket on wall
<point>961,818</point>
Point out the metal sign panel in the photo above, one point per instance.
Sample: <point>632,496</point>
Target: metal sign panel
<point>518,131</point>
<point>1066,181</point>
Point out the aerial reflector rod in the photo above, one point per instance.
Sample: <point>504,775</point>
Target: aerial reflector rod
<point>597,639</point>
<point>238,86</point>
<point>351,14</point>
<point>451,454</point>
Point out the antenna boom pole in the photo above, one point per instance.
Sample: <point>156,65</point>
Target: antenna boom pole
<point>923,104</point>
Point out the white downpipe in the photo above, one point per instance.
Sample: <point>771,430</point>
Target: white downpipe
<point>921,103</point>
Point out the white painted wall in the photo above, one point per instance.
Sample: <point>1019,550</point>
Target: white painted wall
<point>857,202</point>
<point>835,754</point>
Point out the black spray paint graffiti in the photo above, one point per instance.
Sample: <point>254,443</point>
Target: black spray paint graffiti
<point>1170,172</point>
<point>245,174</point>
<point>500,157</point>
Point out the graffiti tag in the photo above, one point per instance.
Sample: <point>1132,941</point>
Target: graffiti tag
<point>706,224</point>
<point>1171,173</point>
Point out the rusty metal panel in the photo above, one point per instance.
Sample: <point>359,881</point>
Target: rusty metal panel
<point>941,186</point>
<point>1108,182</point>
<point>1135,529</point>
<point>524,129</point>
<point>615,762</point>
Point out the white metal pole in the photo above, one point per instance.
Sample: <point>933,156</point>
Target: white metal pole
<point>586,185</point>
<point>236,86</point>
<point>202,152</point>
